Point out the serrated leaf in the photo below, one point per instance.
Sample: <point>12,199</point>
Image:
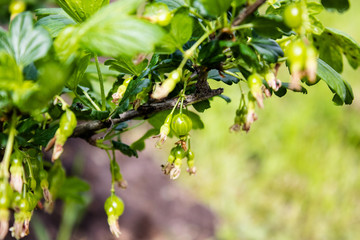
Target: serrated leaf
<point>225,98</point>
<point>211,54</point>
<point>268,49</point>
<point>135,86</point>
<point>24,42</point>
<point>335,82</point>
<point>79,65</point>
<point>197,123</point>
<point>180,32</point>
<point>54,20</point>
<point>80,10</point>
<point>227,79</point>
<point>331,43</point>
<point>202,106</point>
<point>112,31</point>
<point>336,5</point>
<point>181,27</point>
<point>271,26</point>
<point>125,149</point>
<point>126,65</point>
<point>248,54</point>
<point>173,4</point>
<point>212,8</point>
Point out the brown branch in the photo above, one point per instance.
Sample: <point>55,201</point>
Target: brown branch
<point>87,129</point>
<point>247,12</point>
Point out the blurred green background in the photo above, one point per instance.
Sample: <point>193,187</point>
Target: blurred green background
<point>295,175</point>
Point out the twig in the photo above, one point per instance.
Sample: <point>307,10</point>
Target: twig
<point>247,12</point>
<point>87,129</point>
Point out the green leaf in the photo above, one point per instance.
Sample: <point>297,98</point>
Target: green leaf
<point>248,54</point>
<point>79,67</point>
<point>135,86</point>
<point>338,5</point>
<point>42,137</point>
<point>197,123</point>
<point>180,32</point>
<point>126,65</point>
<point>10,74</point>
<point>181,27</point>
<point>202,106</point>
<point>31,97</point>
<point>139,144</point>
<point>225,78</point>
<point>54,20</point>
<point>112,31</point>
<point>211,54</point>
<point>335,82</point>
<point>172,4</point>
<point>125,149</point>
<point>271,26</point>
<point>212,8</point>
<point>80,10</point>
<point>24,42</point>
<point>268,49</point>
<point>225,98</point>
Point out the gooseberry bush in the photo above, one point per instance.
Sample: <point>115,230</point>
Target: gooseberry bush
<point>87,68</point>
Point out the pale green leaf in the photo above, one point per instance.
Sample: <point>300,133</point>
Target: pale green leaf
<point>80,10</point>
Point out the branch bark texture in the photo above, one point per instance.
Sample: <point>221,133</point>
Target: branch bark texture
<point>247,12</point>
<point>87,129</point>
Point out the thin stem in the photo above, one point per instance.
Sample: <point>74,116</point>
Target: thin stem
<point>248,25</point>
<point>101,81</point>
<point>91,101</point>
<point>232,74</point>
<point>81,100</point>
<point>189,53</point>
<point>9,148</point>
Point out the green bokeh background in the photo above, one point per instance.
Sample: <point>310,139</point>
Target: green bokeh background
<point>295,175</point>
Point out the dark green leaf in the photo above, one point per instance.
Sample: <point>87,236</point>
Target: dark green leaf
<point>248,54</point>
<point>202,106</point>
<point>212,8</point>
<point>79,65</point>
<point>125,149</point>
<point>331,43</point>
<point>135,86</point>
<point>99,115</point>
<point>197,123</point>
<point>285,85</point>
<point>225,98</point>
<point>271,26</point>
<point>139,144</point>
<point>268,49</point>
<point>126,65</point>
<point>338,5</point>
<point>211,54</point>
<point>228,79</point>
<point>335,82</point>
<point>42,137</point>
